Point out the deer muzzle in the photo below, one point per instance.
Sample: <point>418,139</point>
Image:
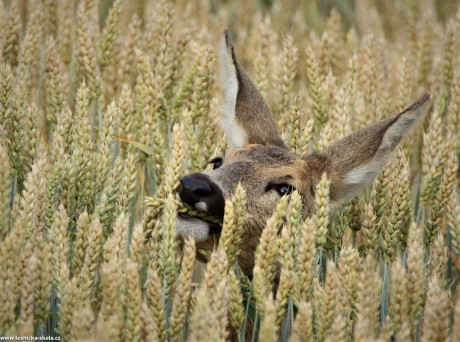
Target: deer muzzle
<point>198,191</point>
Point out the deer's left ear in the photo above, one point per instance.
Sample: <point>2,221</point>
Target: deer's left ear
<point>245,116</point>
<point>353,162</point>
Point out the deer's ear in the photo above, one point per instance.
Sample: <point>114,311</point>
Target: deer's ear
<point>245,116</point>
<point>353,162</point>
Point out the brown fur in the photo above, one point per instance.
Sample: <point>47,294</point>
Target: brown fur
<point>252,110</point>
<point>265,160</point>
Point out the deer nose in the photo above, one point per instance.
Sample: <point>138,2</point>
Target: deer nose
<point>192,188</point>
<point>198,188</point>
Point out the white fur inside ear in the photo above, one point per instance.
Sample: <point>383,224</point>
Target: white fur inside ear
<point>229,85</point>
<point>360,177</point>
<point>362,173</point>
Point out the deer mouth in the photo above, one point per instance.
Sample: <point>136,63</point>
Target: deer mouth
<point>215,224</point>
<point>199,228</point>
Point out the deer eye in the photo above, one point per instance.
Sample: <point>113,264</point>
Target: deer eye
<point>282,189</point>
<point>216,162</point>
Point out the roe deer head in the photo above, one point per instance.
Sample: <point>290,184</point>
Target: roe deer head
<point>260,161</point>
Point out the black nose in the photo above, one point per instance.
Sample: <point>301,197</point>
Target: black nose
<point>198,187</point>
<point>192,189</point>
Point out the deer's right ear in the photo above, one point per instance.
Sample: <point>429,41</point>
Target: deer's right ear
<point>245,116</point>
<point>353,162</point>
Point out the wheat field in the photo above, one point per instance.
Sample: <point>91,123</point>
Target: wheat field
<point>105,105</point>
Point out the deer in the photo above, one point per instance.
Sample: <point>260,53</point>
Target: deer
<point>258,158</point>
